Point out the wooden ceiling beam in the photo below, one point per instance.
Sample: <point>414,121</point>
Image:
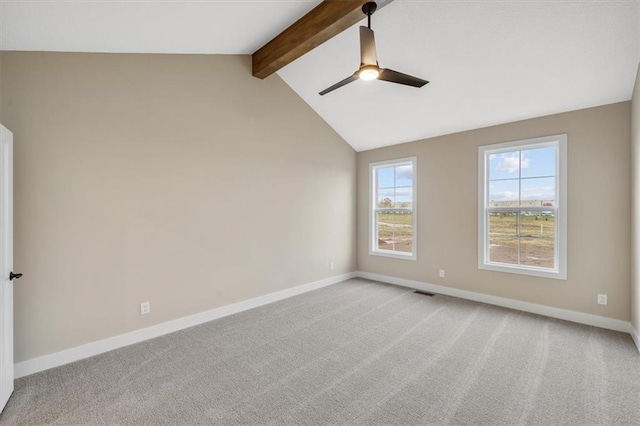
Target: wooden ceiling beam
<point>324,22</point>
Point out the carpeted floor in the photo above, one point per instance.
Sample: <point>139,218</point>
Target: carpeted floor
<point>358,352</point>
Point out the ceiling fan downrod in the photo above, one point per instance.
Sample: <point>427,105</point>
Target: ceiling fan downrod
<point>369,9</point>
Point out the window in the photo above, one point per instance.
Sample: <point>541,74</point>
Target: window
<point>522,207</point>
<point>393,208</point>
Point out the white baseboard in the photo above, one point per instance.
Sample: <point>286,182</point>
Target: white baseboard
<point>46,362</point>
<point>636,337</point>
<point>564,314</point>
<point>77,353</point>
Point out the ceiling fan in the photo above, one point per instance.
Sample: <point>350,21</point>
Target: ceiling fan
<point>369,68</point>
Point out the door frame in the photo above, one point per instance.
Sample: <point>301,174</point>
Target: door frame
<point>6,265</point>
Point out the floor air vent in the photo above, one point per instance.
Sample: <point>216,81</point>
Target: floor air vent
<point>424,293</point>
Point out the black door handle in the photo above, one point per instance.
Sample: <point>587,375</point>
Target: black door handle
<point>12,276</point>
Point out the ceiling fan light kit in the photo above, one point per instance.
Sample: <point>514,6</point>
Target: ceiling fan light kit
<point>368,72</point>
<point>369,68</point>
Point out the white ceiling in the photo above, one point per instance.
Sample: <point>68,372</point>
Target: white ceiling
<point>146,26</point>
<point>488,62</point>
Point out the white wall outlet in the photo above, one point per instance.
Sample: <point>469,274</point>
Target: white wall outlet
<point>441,273</point>
<point>145,308</point>
<point>331,265</point>
<point>602,299</point>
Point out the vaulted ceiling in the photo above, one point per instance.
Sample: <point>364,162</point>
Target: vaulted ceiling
<point>488,62</point>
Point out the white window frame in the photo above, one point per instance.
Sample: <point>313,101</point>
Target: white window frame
<point>560,209</point>
<point>373,228</point>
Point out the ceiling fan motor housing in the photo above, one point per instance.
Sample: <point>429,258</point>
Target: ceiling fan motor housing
<point>369,8</point>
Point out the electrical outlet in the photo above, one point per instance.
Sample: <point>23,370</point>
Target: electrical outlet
<point>331,265</point>
<point>602,299</point>
<point>441,273</point>
<point>145,308</point>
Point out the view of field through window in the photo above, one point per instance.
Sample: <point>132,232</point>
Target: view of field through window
<point>522,238</point>
<point>521,203</point>
<point>394,208</point>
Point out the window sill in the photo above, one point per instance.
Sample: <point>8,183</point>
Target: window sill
<point>393,255</point>
<point>521,270</point>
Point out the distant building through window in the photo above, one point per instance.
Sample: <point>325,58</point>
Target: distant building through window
<point>393,204</point>
<point>522,207</point>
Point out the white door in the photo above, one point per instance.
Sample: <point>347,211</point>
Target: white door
<point>6,265</point>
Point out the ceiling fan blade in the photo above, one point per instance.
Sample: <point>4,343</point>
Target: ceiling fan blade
<point>339,84</point>
<point>367,47</point>
<point>400,78</point>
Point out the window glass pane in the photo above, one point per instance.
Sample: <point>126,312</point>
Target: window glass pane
<point>503,237</point>
<point>404,198</point>
<point>404,175</point>
<point>537,239</point>
<point>536,191</point>
<point>384,227</point>
<point>539,162</point>
<point>504,166</point>
<point>403,231</point>
<point>502,191</point>
<point>393,194</point>
<point>386,198</point>
<point>520,184</point>
<point>385,177</point>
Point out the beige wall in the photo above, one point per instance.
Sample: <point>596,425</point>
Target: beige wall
<point>635,142</point>
<point>183,181</point>
<point>599,184</point>
<point>175,179</point>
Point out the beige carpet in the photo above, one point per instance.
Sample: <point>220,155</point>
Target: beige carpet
<point>358,352</point>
